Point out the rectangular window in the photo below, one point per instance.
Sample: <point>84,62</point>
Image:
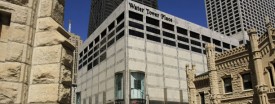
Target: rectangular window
<point>136,33</point>
<point>182,31</point>
<point>183,46</point>
<point>218,49</point>
<point>103,57</point>
<point>227,85</point>
<point>136,25</point>
<point>167,26</point>
<point>111,35</point>
<point>206,39</point>
<point>225,45</point>
<point>111,42</point>
<point>136,16</point>
<point>137,84</point>
<point>103,33</point>
<point>120,18</point>
<point>194,49</point>
<point>103,41</point>
<point>97,39</point>
<point>169,35</point>
<point>217,42</point>
<point>271,76</point>
<point>120,27</point>
<point>111,26</point>
<point>247,84</point>
<point>120,35</point>
<point>183,39</point>
<point>202,97</point>
<point>169,42</point>
<point>194,35</point>
<point>95,62</point>
<point>153,38</point>
<point>5,19</point>
<point>153,30</point>
<point>195,43</point>
<point>152,21</point>
<point>90,66</point>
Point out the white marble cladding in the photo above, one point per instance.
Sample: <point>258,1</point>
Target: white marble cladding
<point>164,65</point>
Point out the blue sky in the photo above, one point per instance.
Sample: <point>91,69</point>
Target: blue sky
<point>78,11</point>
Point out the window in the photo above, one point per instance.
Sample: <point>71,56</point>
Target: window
<point>206,39</point>
<point>217,42</point>
<point>120,35</point>
<point>225,45</point>
<point>119,85</point>
<point>111,35</point>
<point>247,84</point>
<point>111,26</point>
<point>120,27</point>
<point>103,57</point>
<point>227,82</point>
<point>195,43</point>
<point>90,66</point>
<point>271,76</point>
<point>103,41</point>
<point>136,25</point>
<point>136,16</point>
<point>5,19</point>
<point>136,33</point>
<point>182,31</point>
<point>95,62</point>
<point>183,46</point>
<point>120,17</point>
<point>111,42</point>
<point>169,35</point>
<point>218,49</point>
<point>202,98</point>
<point>153,30</point>
<point>183,39</point>
<point>137,84</point>
<point>153,38</point>
<point>167,26</point>
<point>152,21</point>
<point>103,33</point>
<point>169,42</point>
<point>97,39</point>
<point>194,35</point>
<point>194,49</point>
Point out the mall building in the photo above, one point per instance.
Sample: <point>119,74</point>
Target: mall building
<point>138,56</point>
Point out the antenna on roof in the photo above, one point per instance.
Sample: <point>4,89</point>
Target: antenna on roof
<point>70,26</point>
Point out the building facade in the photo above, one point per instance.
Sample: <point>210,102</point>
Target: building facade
<point>235,17</point>
<point>101,9</point>
<point>243,75</point>
<point>138,55</point>
<point>35,54</point>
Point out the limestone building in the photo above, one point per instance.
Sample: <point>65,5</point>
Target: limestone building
<point>235,17</point>
<point>243,75</point>
<point>138,54</point>
<point>35,53</point>
<point>101,9</point>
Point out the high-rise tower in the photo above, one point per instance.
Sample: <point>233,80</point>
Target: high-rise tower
<point>234,17</point>
<point>101,9</point>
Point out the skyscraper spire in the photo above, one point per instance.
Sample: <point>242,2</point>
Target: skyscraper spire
<point>70,26</point>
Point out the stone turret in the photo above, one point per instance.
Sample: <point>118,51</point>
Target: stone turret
<point>213,76</point>
<point>270,33</point>
<point>190,73</point>
<point>261,88</point>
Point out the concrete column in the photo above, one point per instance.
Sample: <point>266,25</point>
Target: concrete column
<point>213,76</point>
<point>190,74</point>
<point>261,88</point>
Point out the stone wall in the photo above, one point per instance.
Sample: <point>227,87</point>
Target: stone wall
<point>35,54</point>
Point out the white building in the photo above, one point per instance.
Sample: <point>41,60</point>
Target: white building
<point>138,55</point>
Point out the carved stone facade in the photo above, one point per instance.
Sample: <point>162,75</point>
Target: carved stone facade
<point>35,55</point>
<point>243,75</point>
